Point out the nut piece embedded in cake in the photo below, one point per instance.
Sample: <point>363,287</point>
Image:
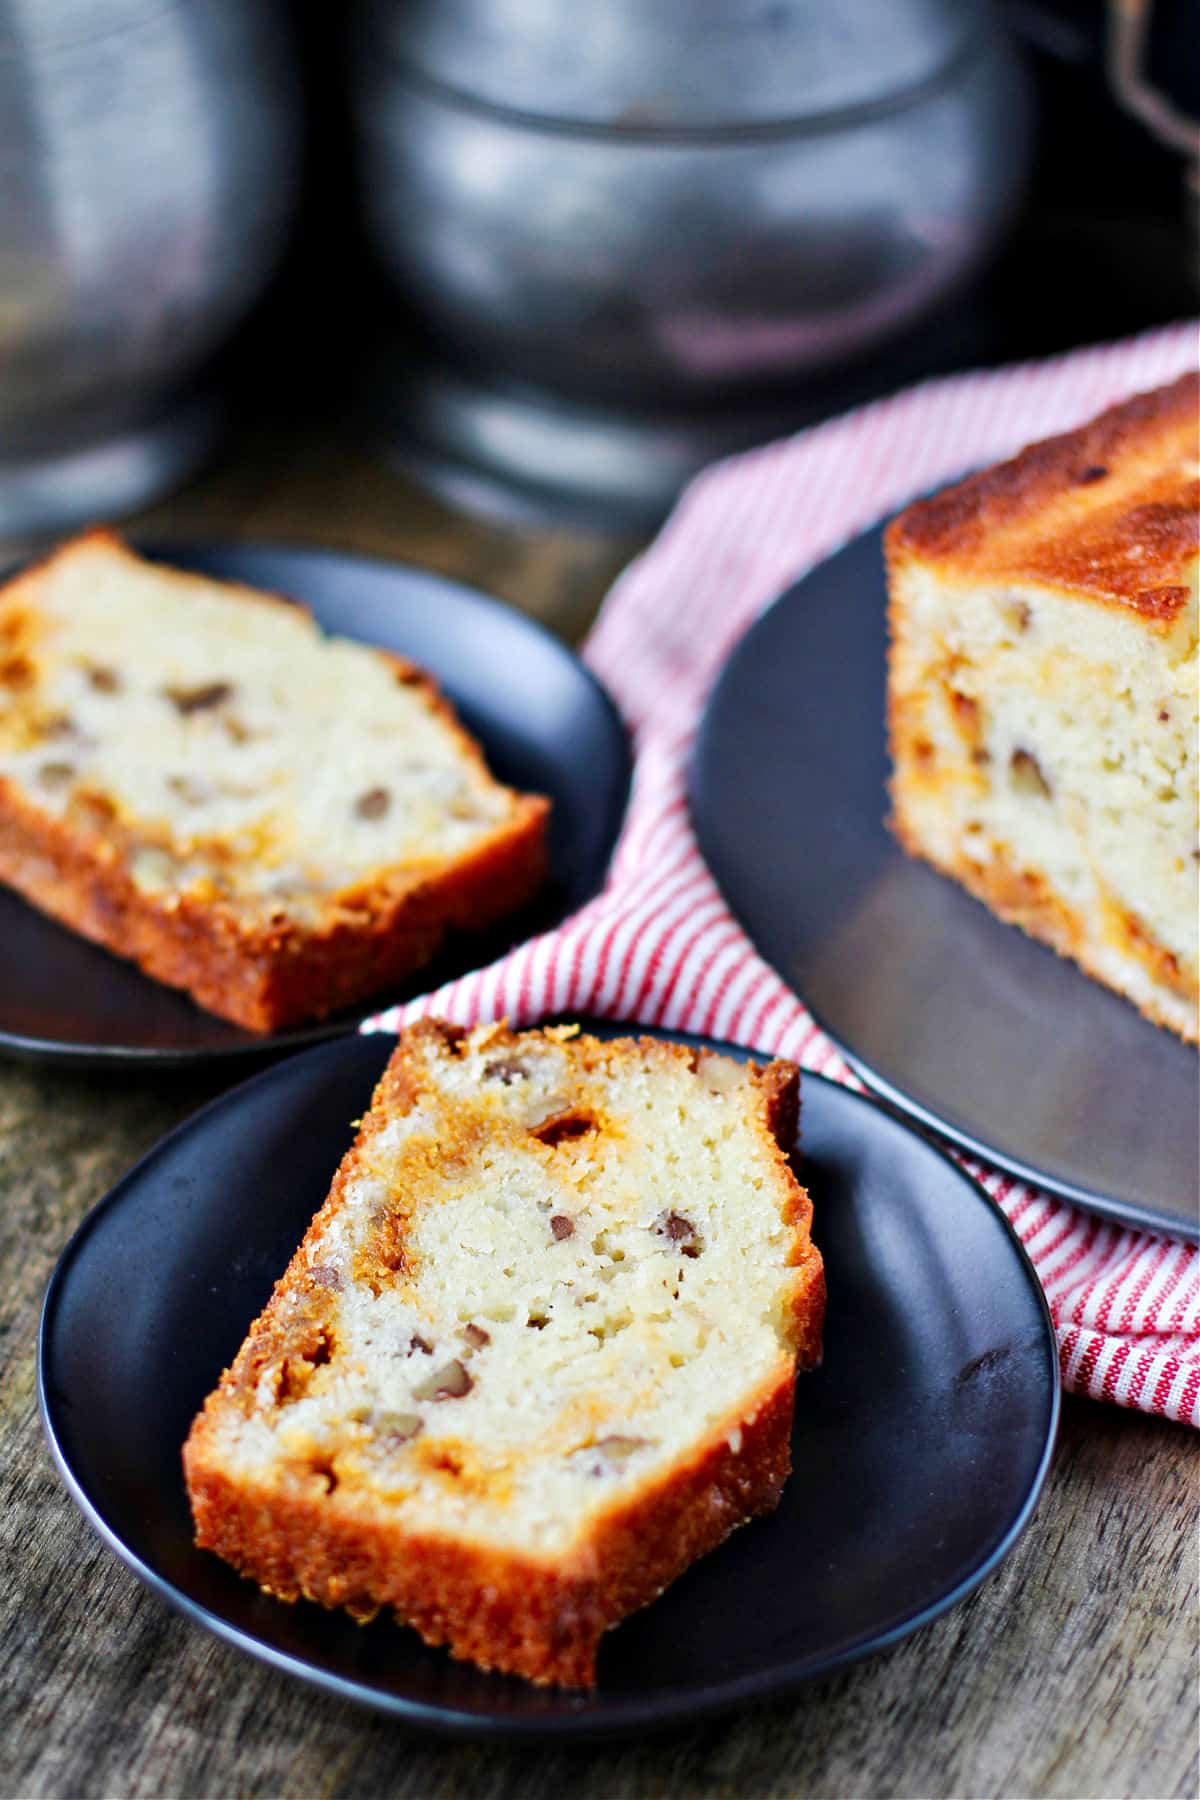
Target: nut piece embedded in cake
<point>515,1380</point>
<point>1042,694</point>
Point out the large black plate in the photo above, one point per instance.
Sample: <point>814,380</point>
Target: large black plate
<point>545,724</point>
<point>966,1024</point>
<point>920,1445</point>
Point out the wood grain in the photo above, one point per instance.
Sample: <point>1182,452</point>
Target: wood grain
<point>1072,1672</point>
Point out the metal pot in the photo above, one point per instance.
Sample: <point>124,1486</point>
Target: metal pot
<point>147,157</point>
<point>626,231</point>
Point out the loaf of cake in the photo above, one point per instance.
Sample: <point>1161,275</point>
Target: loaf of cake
<point>1042,693</point>
<point>536,1352</point>
<point>192,775</point>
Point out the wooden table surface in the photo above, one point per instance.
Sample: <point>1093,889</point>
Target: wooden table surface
<point>1071,1672</point>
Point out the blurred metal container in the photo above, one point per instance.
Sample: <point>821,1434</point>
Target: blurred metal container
<point>148,155</point>
<point>627,231</point>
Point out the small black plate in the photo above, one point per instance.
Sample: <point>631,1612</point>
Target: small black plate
<point>545,724</point>
<point>964,1023</point>
<point>920,1445</point>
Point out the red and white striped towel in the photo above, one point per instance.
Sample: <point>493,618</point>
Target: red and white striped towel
<point>659,947</point>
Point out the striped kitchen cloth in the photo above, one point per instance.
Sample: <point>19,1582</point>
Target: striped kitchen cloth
<point>659,947</point>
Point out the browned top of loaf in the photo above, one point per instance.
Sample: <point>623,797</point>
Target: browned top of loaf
<point>1110,511</point>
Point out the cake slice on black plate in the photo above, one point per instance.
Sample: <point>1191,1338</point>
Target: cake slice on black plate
<point>193,775</point>
<point>537,1351</point>
<point>1042,693</point>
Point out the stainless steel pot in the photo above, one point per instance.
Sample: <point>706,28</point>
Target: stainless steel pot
<point>626,230</point>
<point>147,176</point>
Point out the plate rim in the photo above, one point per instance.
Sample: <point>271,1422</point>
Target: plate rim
<point>1132,1215</point>
<point>56,1053</point>
<point>643,1715</point>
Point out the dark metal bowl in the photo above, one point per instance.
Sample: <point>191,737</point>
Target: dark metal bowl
<point>621,225</point>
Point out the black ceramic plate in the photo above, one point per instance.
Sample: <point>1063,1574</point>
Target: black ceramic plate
<point>543,720</point>
<point>964,1023</point>
<point>920,1445</point>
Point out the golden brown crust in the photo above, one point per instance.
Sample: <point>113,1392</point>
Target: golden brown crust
<point>539,1618</point>
<point>1022,897</point>
<point>491,1607</point>
<point>266,977</point>
<point>1110,511</point>
<point>1164,967</point>
<point>780,1081</point>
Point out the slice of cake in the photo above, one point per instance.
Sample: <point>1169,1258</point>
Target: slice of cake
<point>194,776</point>
<point>536,1352</point>
<point>1042,693</point>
